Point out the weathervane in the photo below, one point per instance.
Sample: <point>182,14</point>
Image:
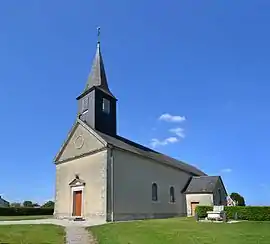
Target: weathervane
<point>98,34</point>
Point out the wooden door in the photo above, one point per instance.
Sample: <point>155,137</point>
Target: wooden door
<point>77,203</point>
<point>193,207</point>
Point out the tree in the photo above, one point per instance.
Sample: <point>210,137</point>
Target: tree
<point>15,205</point>
<point>238,198</point>
<point>36,205</point>
<point>49,204</point>
<point>27,204</point>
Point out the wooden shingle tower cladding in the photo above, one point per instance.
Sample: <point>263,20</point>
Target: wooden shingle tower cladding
<point>97,104</point>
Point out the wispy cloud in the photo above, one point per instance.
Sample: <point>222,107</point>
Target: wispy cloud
<point>228,170</point>
<point>156,142</point>
<point>172,118</point>
<point>178,131</point>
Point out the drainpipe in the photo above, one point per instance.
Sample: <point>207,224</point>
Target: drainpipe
<point>112,186</point>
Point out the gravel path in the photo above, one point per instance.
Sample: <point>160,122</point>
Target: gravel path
<point>52,221</point>
<point>75,230</point>
<point>78,235</point>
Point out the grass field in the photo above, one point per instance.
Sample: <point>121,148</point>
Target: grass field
<point>182,230</point>
<point>24,217</point>
<point>32,234</point>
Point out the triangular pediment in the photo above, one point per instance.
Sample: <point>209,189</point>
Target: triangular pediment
<point>77,182</point>
<point>80,141</point>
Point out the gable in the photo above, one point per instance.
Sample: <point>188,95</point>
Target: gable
<point>80,141</point>
<point>77,182</point>
<point>220,185</point>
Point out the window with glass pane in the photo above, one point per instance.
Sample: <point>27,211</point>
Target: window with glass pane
<point>106,106</point>
<point>172,196</point>
<point>85,103</point>
<point>154,192</point>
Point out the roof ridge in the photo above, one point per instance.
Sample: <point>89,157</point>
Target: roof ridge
<point>206,176</point>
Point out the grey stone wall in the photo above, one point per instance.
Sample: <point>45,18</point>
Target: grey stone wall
<point>133,178</point>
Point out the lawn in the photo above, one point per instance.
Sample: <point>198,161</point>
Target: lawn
<point>182,230</point>
<point>25,217</point>
<point>32,234</point>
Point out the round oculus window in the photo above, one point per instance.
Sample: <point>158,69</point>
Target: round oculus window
<point>79,141</point>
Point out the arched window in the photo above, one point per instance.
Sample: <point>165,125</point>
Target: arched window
<point>154,192</point>
<point>172,196</point>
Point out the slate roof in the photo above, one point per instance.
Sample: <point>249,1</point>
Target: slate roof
<point>202,184</point>
<point>130,146</point>
<point>97,76</point>
<point>125,144</point>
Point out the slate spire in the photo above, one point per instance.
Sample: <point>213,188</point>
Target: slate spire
<point>97,76</point>
<point>96,104</point>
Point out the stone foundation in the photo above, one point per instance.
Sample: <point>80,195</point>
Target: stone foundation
<point>142,216</point>
<point>121,216</point>
<point>92,217</point>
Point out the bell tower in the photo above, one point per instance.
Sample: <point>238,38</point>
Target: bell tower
<point>96,104</point>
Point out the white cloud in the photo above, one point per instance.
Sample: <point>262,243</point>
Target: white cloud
<point>171,139</point>
<point>156,142</point>
<point>178,131</point>
<point>226,170</point>
<point>172,118</point>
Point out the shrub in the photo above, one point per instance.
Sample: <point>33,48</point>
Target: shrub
<point>202,211</point>
<point>254,213</point>
<point>23,211</point>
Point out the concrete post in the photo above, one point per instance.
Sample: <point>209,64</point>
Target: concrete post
<point>196,217</point>
<point>236,216</point>
<point>225,217</point>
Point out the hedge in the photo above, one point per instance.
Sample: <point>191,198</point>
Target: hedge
<point>23,211</point>
<point>201,211</point>
<point>254,213</point>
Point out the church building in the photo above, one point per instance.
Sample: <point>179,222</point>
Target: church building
<point>103,176</point>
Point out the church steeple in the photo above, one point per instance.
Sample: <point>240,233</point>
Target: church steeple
<point>97,104</point>
<point>97,76</point>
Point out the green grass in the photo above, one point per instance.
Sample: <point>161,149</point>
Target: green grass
<point>182,230</point>
<point>32,234</point>
<point>25,217</point>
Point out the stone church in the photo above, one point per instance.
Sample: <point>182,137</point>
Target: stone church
<point>103,176</point>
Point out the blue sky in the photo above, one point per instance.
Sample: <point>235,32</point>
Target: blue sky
<point>206,62</point>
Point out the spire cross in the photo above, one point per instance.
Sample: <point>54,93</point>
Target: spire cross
<point>98,34</point>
